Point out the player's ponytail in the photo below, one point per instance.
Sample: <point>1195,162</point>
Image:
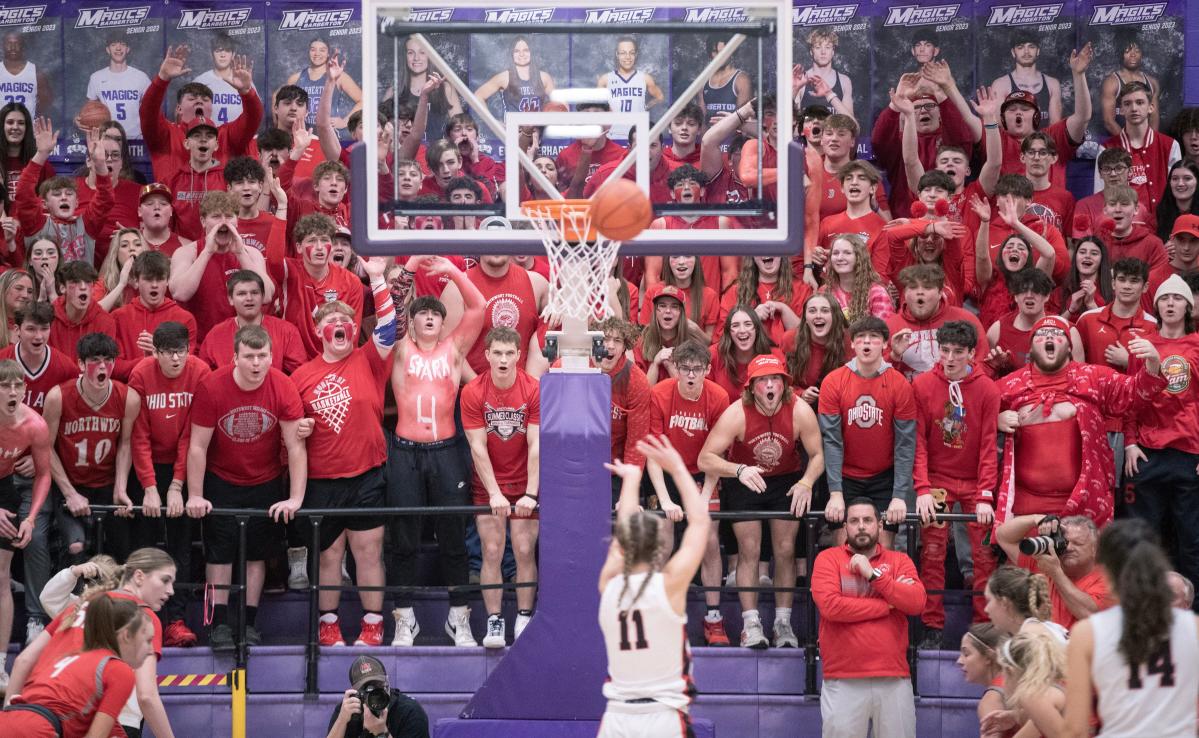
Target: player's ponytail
<point>108,576</point>
<point>1028,593</point>
<point>1137,567</point>
<point>1039,603</point>
<point>106,617</point>
<point>637,535</point>
<point>1033,662</point>
<point>146,560</point>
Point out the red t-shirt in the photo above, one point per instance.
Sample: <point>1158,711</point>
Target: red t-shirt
<point>867,226</point>
<point>868,409</point>
<point>87,439</point>
<point>1092,585</point>
<point>511,303</point>
<point>75,688</point>
<point>686,422</point>
<point>287,348</point>
<point>52,371</point>
<point>506,414</point>
<point>162,430</point>
<point>210,304</point>
<point>568,160</point>
<point>1065,152</point>
<point>256,232</point>
<point>832,199</point>
<point>302,295</point>
<point>346,401</point>
<point>246,440</point>
<point>1055,206</point>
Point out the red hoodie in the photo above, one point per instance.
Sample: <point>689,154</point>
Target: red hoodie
<point>630,410</point>
<point>1141,243</point>
<point>190,187</point>
<point>65,333</point>
<point>999,231</point>
<point>923,351</point>
<point>864,624</point>
<point>164,138</point>
<point>136,317</point>
<point>955,439</point>
<point>892,248</point>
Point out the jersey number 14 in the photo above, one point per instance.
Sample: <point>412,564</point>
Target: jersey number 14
<point>1159,663</point>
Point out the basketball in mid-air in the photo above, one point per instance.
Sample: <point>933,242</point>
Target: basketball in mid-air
<point>92,114</point>
<point>555,107</point>
<point>620,210</point>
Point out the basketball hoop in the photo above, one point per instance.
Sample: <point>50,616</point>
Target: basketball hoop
<point>581,259</point>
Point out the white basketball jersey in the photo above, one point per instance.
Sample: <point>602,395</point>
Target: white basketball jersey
<point>122,93</point>
<point>628,96</point>
<point>1161,694</point>
<point>20,87</point>
<point>649,656</point>
<point>226,101</point>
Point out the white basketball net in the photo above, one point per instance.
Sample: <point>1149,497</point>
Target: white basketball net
<point>579,270</point>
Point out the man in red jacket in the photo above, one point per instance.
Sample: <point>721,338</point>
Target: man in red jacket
<point>136,322</point>
<point>864,593</point>
<point>924,310</point>
<point>956,463</point>
<point>1152,152</point>
<point>164,139</point>
<point>1128,238</point>
<point>76,313</point>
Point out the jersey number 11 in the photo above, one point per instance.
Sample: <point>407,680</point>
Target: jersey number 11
<point>641,643</point>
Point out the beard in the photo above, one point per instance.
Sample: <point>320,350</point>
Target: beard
<point>863,544</point>
<point>1047,365</point>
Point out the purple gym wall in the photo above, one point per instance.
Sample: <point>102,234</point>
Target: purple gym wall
<point>556,669</point>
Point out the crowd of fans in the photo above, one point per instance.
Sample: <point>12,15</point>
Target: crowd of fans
<point>940,341</point>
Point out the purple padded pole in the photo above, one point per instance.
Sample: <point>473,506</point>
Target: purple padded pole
<point>557,668</point>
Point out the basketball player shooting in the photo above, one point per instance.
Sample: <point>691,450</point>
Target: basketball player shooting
<point>643,607</point>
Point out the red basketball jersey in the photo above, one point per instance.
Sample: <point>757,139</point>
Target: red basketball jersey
<point>87,437</point>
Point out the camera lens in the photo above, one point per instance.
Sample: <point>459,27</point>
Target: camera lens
<point>1036,546</point>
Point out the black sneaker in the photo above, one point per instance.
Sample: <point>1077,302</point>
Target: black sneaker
<point>220,638</point>
<point>932,639</point>
<point>253,637</point>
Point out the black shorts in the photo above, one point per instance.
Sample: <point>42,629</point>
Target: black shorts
<point>10,500</point>
<point>264,537</point>
<point>365,490</point>
<point>879,488</point>
<point>736,497</point>
<point>649,495</point>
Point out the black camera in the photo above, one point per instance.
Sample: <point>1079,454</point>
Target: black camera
<point>1040,545</point>
<point>375,697</point>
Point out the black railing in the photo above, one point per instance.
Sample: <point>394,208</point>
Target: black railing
<point>811,521</point>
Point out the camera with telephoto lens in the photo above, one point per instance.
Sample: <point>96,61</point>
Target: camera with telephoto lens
<point>1040,545</point>
<point>375,697</point>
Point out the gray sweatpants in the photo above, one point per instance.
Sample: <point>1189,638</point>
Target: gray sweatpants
<point>849,706</point>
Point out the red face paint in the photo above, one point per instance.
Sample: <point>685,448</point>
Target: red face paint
<point>329,329</point>
<point>97,369</point>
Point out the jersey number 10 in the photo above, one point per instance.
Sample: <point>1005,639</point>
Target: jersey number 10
<point>1159,663</point>
<point>641,643</point>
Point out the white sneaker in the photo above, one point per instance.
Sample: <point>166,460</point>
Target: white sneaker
<point>496,633</point>
<point>457,626</point>
<point>297,562</point>
<point>406,630</point>
<point>752,635</point>
<point>784,636</point>
<point>731,579</point>
<point>33,629</point>
<point>521,622</point>
<point>765,581</point>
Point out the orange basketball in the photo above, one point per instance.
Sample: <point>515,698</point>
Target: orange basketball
<point>555,107</point>
<point>620,210</point>
<point>92,114</point>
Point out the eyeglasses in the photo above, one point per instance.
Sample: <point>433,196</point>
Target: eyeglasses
<point>925,107</point>
<point>1037,153</point>
<point>1050,333</point>
<point>174,353</point>
<point>1119,169</point>
<point>691,371</point>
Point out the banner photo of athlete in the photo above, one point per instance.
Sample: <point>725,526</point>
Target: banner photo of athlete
<point>111,54</point>
<point>907,36</point>
<point>493,59</point>
<point>832,48</point>
<point>302,37</point>
<point>216,33</point>
<point>32,70</point>
<point>1027,47</point>
<point>1134,42</point>
<point>413,68</point>
<point>635,69</point>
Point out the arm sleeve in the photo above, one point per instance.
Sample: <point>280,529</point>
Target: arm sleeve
<point>953,127</point>
<point>95,217</point>
<point>834,448</point>
<point>884,139</point>
<point>143,460</point>
<point>241,131</point>
<point>1122,393</point>
<point>638,424</point>
<point>117,679</point>
<point>155,126</point>
<point>920,462</point>
<point>988,450</point>
<point>901,588</point>
<point>837,607</point>
<point>27,206</point>
<point>384,333</point>
<point>57,594</point>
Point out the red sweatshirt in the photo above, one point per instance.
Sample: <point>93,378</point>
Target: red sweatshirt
<point>65,333</point>
<point>162,430</point>
<point>287,348</point>
<point>1170,419</point>
<point>1141,243</point>
<point>998,232</point>
<point>190,187</point>
<point>956,441</point>
<point>888,151</point>
<point>923,351</point>
<point>630,410</point>
<point>75,236</point>
<point>864,624</point>
<point>892,251</point>
<point>164,138</point>
<point>136,317</point>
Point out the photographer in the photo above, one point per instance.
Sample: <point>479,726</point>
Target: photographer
<point>1076,585</point>
<point>401,717</point>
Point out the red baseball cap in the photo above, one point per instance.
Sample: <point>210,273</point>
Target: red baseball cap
<point>1054,321</point>
<point>201,122</point>
<point>1188,224</point>
<point>924,96</point>
<point>155,188</point>
<point>766,365</point>
<point>1022,97</point>
<point>662,289</point>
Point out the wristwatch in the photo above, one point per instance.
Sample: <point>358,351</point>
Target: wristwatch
<point>875,574</point>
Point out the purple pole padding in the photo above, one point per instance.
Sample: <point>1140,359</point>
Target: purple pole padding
<point>557,668</point>
<point>740,242</point>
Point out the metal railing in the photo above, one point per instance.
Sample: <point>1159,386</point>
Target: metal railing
<point>811,522</point>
